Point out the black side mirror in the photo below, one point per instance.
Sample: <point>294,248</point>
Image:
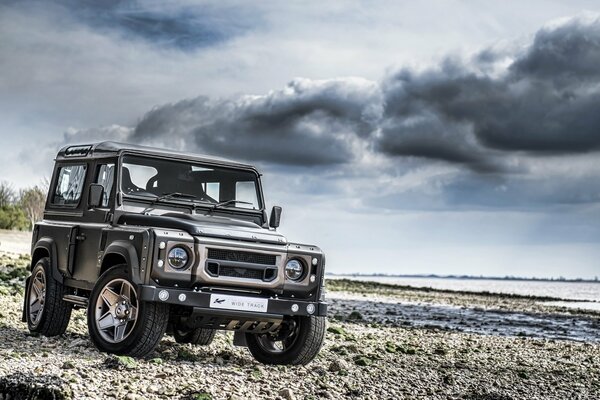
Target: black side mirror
<point>275,218</point>
<point>95,196</point>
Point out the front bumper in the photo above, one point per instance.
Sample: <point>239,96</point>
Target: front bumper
<point>200,301</point>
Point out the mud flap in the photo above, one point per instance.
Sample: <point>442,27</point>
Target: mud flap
<point>239,339</point>
<point>24,316</point>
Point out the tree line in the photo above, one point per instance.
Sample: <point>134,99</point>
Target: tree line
<point>21,209</point>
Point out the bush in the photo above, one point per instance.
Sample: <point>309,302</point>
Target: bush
<point>13,217</point>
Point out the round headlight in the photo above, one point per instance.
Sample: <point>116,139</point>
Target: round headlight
<point>294,270</point>
<point>178,257</point>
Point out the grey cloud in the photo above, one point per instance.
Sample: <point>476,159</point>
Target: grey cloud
<point>459,113</point>
<point>306,123</point>
<point>181,26</point>
<point>546,102</point>
<point>465,114</point>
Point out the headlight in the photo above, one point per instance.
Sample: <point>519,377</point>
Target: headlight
<point>294,270</point>
<point>178,257</point>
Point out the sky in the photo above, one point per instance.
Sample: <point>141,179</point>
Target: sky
<point>445,137</point>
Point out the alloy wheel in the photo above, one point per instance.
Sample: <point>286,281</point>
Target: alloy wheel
<point>116,310</point>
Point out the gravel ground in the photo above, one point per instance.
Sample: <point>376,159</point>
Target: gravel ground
<point>365,356</point>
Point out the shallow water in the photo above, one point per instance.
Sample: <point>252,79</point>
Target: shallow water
<point>389,311</point>
<point>563,290</point>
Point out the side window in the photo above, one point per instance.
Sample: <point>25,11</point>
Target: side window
<point>69,185</point>
<point>106,178</point>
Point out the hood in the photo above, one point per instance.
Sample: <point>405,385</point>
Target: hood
<point>208,226</point>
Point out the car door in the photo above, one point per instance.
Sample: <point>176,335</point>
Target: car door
<point>64,212</point>
<point>91,235</point>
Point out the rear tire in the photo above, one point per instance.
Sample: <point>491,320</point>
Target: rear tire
<point>198,336</point>
<point>46,311</point>
<point>299,346</point>
<point>118,322</point>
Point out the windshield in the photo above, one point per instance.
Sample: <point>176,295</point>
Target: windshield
<point>174,180</point>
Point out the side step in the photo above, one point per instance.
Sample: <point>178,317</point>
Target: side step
<point>79,301</point>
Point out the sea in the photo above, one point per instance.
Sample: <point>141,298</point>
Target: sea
<point>571,293</point>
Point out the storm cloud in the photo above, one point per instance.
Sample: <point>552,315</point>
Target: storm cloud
<point>503,129</point>
<point>306,123</point>
<point>545,102</point>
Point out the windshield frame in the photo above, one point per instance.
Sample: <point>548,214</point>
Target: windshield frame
<point>185,202</point>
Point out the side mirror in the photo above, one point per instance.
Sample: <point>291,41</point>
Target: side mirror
<point>275,218</point>
<point>95,195</point>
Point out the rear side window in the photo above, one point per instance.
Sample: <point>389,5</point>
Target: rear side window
<point>69,185</point>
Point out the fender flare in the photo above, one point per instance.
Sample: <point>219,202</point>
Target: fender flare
<point>49,245</point>
<point>128,251</point>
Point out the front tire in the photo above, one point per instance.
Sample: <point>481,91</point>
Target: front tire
<point>118,322</point>
<point>198,336</point>
<point>298,344</point>
<point>46,311</point>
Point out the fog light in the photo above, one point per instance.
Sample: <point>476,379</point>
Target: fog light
<point>315,261</point>
<point>295,308</point>
<point>310,308</point>
<point>163,295</point>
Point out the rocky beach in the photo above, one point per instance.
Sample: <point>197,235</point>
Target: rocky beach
<point>383,341</point>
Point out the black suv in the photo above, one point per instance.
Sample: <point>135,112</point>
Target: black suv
<point>153,241</point>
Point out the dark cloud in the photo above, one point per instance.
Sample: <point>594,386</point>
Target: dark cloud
<point>546,102</point>
<point>306,123</point>
<point>500,127</point>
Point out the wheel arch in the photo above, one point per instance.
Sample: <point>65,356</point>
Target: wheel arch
<point>122,252</point>
<point>46,247</point>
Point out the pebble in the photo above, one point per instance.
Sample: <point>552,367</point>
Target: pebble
<point>424,363</point>
<point>287,394</point>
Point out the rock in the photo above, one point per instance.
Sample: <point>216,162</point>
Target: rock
<point>120,362</point>
<point>287,394</point>
<point>68,365</point>
<point>363,361</point>
<point>355,316</point>
<point>440,351</point>
<point>336,330</point>
<point>338,365</point>
<point>153,389</point>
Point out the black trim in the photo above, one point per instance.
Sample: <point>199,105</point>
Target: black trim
<point>201,300</point>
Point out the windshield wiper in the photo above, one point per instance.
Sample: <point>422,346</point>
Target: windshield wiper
<point>227,202</point>
<point>167,196</point>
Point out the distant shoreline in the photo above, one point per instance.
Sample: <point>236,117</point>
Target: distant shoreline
<point>492,278</point>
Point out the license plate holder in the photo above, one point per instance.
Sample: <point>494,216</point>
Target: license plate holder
<point>238,303</point>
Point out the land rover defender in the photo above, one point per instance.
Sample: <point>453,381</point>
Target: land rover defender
<point>152,241</point>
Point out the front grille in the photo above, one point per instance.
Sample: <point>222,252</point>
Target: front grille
<point>236,272</point>
<point>242,256</point>
<point>264,274</point>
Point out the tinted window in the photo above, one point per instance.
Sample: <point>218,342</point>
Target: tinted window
<point>106,177</point>
<point>152,177</point>
<point>69,185</point>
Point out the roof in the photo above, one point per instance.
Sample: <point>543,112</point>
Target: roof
<point>106,149</point>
